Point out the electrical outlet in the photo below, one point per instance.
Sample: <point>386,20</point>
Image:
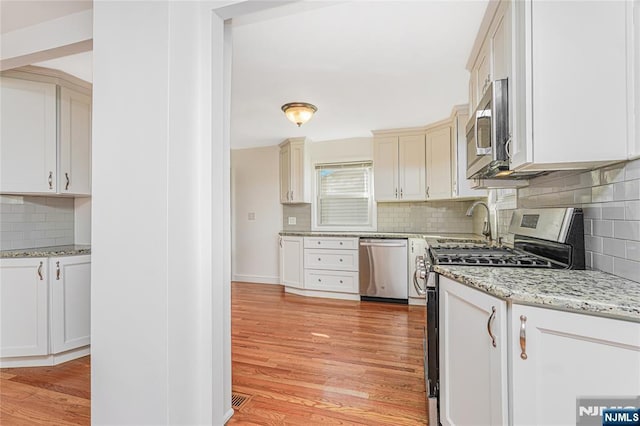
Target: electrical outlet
<point>292,220</point>
<point>252,216</point>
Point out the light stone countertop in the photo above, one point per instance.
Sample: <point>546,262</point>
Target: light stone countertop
<point>363,234</point>
<point>52,251</point>
<point>587,292</point>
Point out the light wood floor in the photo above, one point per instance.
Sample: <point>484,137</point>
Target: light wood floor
<point>310,361</point>
<point>301,361</point>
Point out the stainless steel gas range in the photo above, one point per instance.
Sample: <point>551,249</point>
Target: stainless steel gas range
<point>543,238</point>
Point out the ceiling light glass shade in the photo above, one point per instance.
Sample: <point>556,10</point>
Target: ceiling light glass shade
<point>299,112</point>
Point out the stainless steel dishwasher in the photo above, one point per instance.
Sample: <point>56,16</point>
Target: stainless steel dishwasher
<point>383,270</point>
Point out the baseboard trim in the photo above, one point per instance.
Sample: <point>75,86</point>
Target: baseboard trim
<point>325,294</point>
<point>228,416</point>
<point>44,360</point>
<point>259,279</point>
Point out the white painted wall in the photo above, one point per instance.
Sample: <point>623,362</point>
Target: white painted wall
<point>255,189</point>
<point>160,263</point>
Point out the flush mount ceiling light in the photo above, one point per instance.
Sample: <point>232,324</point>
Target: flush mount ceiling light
<point>299,112</point>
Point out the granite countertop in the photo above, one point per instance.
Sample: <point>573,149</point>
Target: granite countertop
<point>587,292</point>
<point>52,251</point>
<point>364,234</point>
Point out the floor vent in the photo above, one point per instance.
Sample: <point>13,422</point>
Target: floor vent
<point>238,400</point>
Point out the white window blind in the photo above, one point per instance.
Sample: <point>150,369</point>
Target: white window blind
<point>344,194</point>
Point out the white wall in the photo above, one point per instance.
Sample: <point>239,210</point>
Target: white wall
<point>255,189</point>
<point>160,282</point>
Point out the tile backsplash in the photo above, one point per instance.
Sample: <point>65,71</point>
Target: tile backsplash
<point>432,217</point>
<point>427,217</point>
<point>610,198</point>
<point>27,222</point>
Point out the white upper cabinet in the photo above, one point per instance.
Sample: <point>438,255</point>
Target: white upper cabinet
<point>295,169</point>
<point>385,168</point>
<point>411,167</point>
<point>28,134</point>
<point>438,158</point>
<point>569,66</point>
<point>399,167</point>
<point>74,175</point>
<point>46,133</point>
<point>572,84</point>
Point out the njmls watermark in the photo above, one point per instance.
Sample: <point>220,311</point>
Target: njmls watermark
<point>608,411</point>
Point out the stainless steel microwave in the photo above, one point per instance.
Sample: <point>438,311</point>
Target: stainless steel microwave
<point>488,133</point>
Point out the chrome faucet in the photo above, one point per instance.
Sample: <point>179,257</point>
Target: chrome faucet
<point>486,229</point>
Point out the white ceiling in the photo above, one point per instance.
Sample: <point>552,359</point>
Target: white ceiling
<point>366,65</point>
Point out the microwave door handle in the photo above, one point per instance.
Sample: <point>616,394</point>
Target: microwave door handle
<point>481,113</point>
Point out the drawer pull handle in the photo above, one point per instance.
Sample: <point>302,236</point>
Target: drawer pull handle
<point>40,271</point>
<point>489,323</point>
<point>50,180</point>
<point>66,175</point>
<point>523,337</point>
<point>58,271</point>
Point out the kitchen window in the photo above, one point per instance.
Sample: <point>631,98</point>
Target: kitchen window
<point>344,197</point>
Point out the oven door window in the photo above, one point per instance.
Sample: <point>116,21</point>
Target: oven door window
<point>483,131</point>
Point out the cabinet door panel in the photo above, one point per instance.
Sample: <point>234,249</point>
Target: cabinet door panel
<point>439,164</point>
<point>291,261</point>
<point>75,143</point>
<point>385,168</point>
<point>28,134</point>
<point>473,373</point>
<point>70,285</point>
<point>23,307</point>
<point>297,178</point>
<point>568,356</point>
<point>285,171</point>
<point>411,166</point>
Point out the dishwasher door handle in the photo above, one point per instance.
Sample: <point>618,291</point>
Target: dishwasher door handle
<point>366,244</point>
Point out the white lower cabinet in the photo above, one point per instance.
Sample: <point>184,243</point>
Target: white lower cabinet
<point>332,268</point>
<point>70,285</point>
<point>291,262</point>
<point>24,313</point>
<point>558,356</point>
<point>473,356</point>
<point>44,310</point>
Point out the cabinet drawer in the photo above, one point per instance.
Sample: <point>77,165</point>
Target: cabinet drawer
<point>344,281</point>
<point>343,260</point>
<point>331,243</point>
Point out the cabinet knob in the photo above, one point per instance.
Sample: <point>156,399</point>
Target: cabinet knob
<point>319,280</point>
<point>340,242</point>
<point>340,281</point>
<point>319,259</point>
<point>340,260</point>
<point>318,242</point>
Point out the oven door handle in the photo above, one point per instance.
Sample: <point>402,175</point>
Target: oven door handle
<point>421,291</point>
